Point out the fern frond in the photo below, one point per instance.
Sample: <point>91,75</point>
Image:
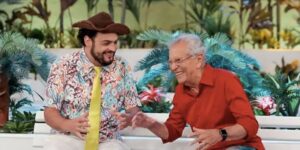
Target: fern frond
<point>156,56</point>
<point>154,72</point>
<point>157,35</point>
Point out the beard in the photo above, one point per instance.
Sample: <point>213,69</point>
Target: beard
<point>99,57</point>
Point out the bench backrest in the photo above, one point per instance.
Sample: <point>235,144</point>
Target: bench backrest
<point>271,127</point>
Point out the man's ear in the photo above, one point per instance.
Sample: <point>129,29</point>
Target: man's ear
<point>200,60</point>
<point>87,41</point>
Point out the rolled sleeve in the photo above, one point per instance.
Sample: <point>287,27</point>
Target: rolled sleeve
<point>175,123</point>
<point>240,107</point>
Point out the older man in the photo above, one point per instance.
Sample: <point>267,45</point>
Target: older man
<point>210,100</point>
<point>84,87</point>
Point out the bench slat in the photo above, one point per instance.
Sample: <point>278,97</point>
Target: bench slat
<point>276,138</point>
<point>278,121</point>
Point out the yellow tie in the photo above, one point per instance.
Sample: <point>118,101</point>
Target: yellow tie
<point>92,137</point>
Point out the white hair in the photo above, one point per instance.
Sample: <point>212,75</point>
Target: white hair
<point>194,43</point>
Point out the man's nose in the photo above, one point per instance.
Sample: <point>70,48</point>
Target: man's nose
<point>113,46</point>
<point>172,66</point>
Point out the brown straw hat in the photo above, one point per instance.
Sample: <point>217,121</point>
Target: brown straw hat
<point>102,22</point>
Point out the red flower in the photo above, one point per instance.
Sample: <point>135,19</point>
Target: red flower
<point>266,104</point>
<point>151,94</point>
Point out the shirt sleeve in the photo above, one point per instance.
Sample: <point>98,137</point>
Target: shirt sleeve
<point>240,107</point>
<point>55,86</point>
<point>175,123</point>
<point>130,91</point>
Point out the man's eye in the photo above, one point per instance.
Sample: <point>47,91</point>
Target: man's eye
<point>177,60</point>
<point>106,43</point>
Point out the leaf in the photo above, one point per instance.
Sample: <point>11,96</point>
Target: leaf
<point>161,36</point>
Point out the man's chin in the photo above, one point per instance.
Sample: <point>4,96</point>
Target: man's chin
<point>106,63</point>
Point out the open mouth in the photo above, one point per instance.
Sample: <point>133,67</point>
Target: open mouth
<point>109,55</point>
<point>178,73</point>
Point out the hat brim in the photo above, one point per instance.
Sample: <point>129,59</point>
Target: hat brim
<point>117,28</point>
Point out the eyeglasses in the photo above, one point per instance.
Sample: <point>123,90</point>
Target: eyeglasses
<point>179,61</point>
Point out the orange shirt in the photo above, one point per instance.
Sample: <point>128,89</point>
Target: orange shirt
<point>221,102</point>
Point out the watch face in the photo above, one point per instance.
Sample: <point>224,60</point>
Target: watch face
<point>223,133</point>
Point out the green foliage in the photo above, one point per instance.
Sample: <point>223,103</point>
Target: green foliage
<point>130,41</point>
<point>209,16</point>
<point>37,34</point>
<point>157,107</point>
<point>19,56</point>
<point>258,112</point>
<point>220,54</point>
<point>285,92</point>
<point>20,122</point>
<point>91,4</point>
<point>158,35</point>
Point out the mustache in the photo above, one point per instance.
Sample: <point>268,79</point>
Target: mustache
<point>109,52</point>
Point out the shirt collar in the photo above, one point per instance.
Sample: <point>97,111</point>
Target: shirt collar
<point>208,76</point>
<point>88,66</point>
<point>207,79</point>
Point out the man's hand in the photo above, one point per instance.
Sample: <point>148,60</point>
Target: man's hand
<point>123,118</point>
<point>78,126</point>
<point>142,120</point>
<point>205,137</point>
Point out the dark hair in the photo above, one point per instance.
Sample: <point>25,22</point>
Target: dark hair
<point>85,32</point>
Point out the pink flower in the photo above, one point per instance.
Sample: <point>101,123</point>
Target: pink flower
<point>266,104</point>
<point>151,94</point>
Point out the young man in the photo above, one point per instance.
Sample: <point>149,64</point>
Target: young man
<point>70,86</point>
<point>211,101</point>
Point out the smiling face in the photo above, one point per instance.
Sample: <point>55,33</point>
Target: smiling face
<point>102,48</point>
<point>187,67</point>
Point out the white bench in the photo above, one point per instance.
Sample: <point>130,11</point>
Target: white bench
<point>272,130</point>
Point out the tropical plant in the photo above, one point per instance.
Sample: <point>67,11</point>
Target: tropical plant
<point>20,122</point>
<point>285,92</point>
<point>288,69</point>
<point>90,4</point>
<point>253,16</point>
<point>207,16</point>
<point>20,56</point>
<point>219,54</point>
<point>264,105</point>
<point>64,5</point>
<point>153,100</point>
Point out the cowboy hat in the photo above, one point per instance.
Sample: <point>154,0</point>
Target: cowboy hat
<point>102,22</point>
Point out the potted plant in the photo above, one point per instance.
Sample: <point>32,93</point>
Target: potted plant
<point>18,57</point>
<point>154,101</point>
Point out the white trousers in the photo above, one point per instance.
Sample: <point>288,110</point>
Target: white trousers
<point>69,142</point>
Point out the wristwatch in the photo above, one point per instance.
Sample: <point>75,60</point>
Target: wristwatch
<point>223,134</point>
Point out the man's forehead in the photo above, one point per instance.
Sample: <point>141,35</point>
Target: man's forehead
<point>179,48</point>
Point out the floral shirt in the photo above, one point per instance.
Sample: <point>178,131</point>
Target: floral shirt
<point>70,85</point>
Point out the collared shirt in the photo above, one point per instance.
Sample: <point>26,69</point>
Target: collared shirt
<point>221,102</point>
<point>70,84</point>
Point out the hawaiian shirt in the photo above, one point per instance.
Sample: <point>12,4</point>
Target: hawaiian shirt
<point>69,89</point>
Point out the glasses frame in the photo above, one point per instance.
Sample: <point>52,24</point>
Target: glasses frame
<point>179,61</point>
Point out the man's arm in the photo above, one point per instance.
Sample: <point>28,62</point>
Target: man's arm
<point>235,132</point>
<point>208,137</point>
<point>142,120</point>
<point>78,126</point>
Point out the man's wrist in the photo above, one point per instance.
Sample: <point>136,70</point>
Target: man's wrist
<point>223,134</point>
<point>151,123</point>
